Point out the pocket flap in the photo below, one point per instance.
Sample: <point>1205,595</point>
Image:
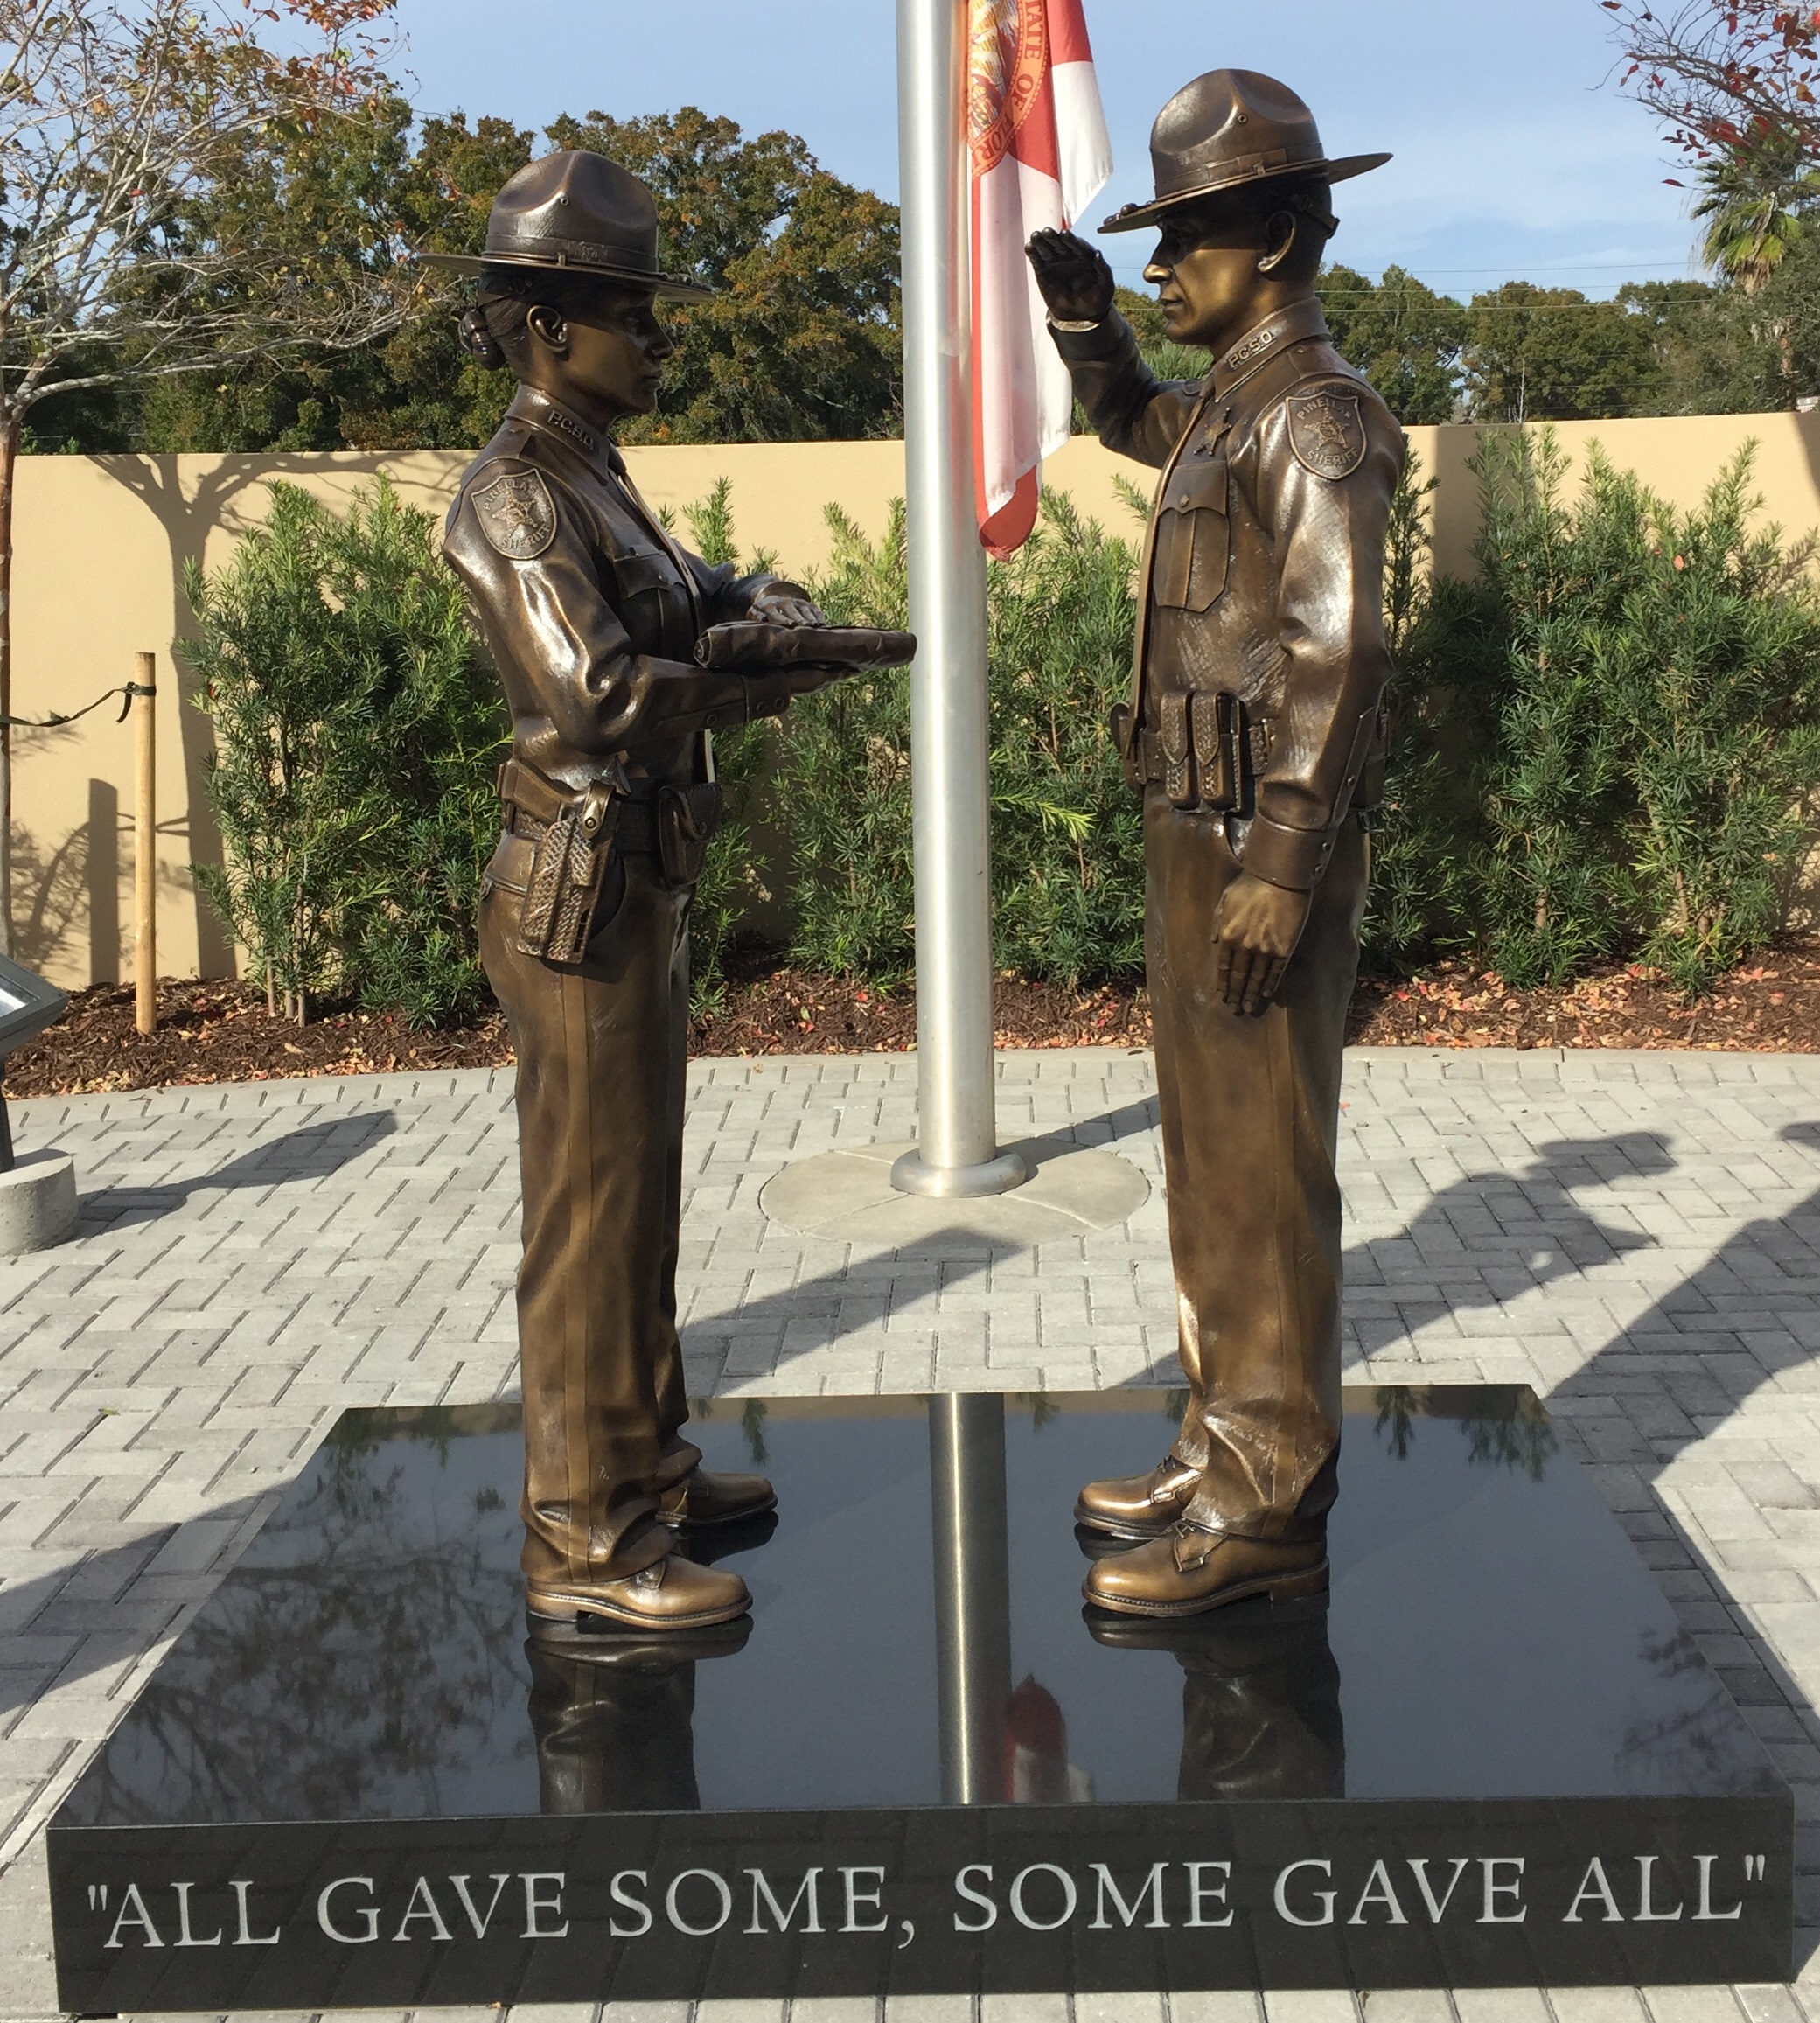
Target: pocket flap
<point>1199,484</point>
<point>643,568</point>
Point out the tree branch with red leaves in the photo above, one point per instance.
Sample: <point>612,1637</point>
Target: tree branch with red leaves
<point>1723,74</point>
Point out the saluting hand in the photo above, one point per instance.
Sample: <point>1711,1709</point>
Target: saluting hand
<point>1072,276</point>
<point>1257,925</point>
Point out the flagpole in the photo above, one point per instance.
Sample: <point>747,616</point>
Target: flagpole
<point>957,1153</point>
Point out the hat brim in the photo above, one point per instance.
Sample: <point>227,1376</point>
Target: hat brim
<point>1135,217</point>
<point>666,287</point>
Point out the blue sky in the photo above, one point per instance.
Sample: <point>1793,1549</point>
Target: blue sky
<point>1515,156</point>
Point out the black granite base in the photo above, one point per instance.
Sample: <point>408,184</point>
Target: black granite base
<point>1492,1757</point>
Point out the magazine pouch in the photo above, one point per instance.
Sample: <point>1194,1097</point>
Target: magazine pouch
<point>1177,750</point>
<point>686,818</point>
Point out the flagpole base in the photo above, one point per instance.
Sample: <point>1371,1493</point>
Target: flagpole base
<point>911,1175</point>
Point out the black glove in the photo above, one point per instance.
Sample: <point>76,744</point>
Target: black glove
<point>1072,276</point>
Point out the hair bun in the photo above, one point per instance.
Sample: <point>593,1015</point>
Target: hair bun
<point>479,341</point>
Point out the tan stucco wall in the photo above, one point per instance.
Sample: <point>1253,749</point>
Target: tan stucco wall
<point>102,542</point>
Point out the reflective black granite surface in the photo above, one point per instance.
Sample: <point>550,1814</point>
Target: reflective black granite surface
<point>1491,1634</point>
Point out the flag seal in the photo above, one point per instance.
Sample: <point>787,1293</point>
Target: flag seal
<point>1007,68</point>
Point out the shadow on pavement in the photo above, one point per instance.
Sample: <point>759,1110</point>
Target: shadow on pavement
<point>312,1152</point>
<point>60,1627</point>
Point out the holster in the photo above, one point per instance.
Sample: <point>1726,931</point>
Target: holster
<point>568,860</point>
<point>686,818</point>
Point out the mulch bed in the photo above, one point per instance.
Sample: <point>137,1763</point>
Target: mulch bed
<point>222,1032</point>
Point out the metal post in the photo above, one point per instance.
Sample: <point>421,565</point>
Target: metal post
<point>972,1592</point>
<point>957,1151</point>
<point>145,863</point>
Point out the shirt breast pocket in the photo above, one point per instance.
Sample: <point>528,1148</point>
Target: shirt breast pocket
<point>643,568</point>
<point>1193,536</point>
<point>654,605</point>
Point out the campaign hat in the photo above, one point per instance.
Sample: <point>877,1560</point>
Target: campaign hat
<point>1231,131</point>
<point>574,211</point>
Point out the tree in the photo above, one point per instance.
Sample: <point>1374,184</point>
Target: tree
<point>1716,72</point>
<point>802,338</point>
<point>1405,337</point>
<point>415,388</point>
<point>1755,190</point>
<point>1550,354</point>
<point>1734,83</point>
<point>119,120</point>
<point>1708,360</point>
<point>802,341</point>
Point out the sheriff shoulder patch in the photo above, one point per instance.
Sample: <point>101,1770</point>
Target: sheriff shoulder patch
<point>517,515</point>
<point>1327,432</point>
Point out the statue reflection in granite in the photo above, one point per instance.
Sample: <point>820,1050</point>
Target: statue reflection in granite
<point>614,1726</point>
<point>613,1714</point>
<point>1260,1698</point>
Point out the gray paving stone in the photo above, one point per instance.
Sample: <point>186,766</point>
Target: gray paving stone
<point>1638,1236</point>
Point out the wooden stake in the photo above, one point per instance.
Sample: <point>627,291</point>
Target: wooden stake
<point>145,855</point>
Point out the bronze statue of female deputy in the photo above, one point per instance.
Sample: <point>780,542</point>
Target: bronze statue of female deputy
<point>596,620</point>
<point>1254,733</point>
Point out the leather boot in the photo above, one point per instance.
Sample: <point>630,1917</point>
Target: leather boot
<point>701,1498</point>
<point>672,1593</point>
<point>1139,1506</point>
<point>1189,1571</point>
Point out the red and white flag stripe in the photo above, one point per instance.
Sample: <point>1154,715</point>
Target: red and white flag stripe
<point>1038,136</point>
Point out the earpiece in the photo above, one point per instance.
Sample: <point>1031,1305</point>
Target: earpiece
<point>479,341</point>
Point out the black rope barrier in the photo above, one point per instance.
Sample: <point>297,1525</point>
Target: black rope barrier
<point>127,691</point>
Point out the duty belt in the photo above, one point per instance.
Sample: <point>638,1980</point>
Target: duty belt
<point>1205,753</point>
<point>1152,764</point>
<point>532,803</point>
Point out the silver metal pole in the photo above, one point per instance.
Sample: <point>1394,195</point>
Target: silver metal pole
<point>972,1592</point>
<point>957,1150</point>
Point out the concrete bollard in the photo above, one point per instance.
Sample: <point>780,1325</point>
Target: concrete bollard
<point>37,1203</point>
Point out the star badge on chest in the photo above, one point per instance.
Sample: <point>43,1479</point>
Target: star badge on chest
<point>1327,433</point>
<point>517,515</point>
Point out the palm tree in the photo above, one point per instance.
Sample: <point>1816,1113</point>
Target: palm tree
<point>1757,193</point>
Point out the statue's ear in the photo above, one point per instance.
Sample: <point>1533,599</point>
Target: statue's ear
<point>1279,238</point>
<point>549,327</point>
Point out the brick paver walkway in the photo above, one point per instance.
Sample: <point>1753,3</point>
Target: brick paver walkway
<point>1637,1235</point>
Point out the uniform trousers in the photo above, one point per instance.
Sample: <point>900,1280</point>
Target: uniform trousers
<point>1250,1112</point>
<point>601,1051</point>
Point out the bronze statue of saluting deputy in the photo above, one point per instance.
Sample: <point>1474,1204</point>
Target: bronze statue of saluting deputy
<point>618,652</point>
<point>1254,733</point>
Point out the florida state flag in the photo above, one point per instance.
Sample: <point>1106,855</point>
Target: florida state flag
<point>1040,156</point>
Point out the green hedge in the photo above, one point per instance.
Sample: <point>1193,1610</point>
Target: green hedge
<point>1604,745</point>
<point>358,730</point>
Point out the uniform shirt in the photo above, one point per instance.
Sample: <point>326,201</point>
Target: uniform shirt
<point>1264,566</point>
<point>590,610</point>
